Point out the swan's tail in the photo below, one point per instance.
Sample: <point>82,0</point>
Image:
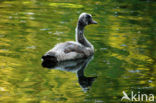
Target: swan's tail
<point>49,61</point>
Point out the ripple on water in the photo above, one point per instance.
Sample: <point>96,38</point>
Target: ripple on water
<point>31,47</point>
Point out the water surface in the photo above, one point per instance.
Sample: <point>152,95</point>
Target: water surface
<point>124,41</point>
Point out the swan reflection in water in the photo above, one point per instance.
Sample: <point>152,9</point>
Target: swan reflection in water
<point>78,66</point>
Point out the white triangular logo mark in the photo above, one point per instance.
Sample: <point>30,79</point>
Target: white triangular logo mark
<point>125,96</point>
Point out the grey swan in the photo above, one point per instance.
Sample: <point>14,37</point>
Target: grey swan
<point>72,50</point>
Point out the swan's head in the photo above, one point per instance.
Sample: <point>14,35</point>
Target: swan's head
<point>86,19</point>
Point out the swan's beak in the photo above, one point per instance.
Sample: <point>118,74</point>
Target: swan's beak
<point>93,22</point>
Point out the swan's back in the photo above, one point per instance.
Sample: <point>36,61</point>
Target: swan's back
<point>67,51</point>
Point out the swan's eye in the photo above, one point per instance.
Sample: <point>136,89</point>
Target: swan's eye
<point>88,17</point>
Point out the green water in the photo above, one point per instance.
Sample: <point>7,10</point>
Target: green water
<point>124,41</point>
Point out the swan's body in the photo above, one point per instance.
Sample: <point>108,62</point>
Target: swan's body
<point>73,49</point>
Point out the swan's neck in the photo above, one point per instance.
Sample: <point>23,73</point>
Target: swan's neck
<point>80,38</point>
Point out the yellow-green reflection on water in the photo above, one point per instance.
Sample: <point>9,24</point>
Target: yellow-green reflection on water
<point>124,41</point>
<point>69,5</point>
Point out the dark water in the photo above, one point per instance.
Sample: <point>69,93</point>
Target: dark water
<point>124,41</point>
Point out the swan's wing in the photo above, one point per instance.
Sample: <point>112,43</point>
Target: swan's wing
<point>75,47</point>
